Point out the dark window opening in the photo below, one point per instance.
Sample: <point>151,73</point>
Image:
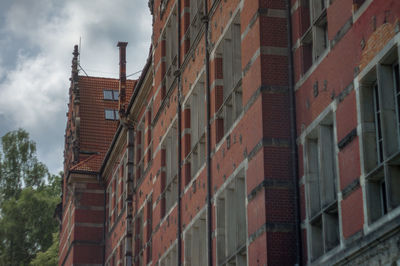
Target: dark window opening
<point>357,4</point>
<point>378,124</point>
<point>396,74</point>
<point>380,95</point>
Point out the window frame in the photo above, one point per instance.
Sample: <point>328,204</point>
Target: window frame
<point>170,36</point>
<point>230,50</point>
<point>323,217</point>
<point>380,87</point>
<point>195,24</point>
<point>140,155</point>
<point>170,145</point>
<point>139,243</point>
<point>108,112</point>
<point>312,50</point>
<point>170,257</point>
<point>197,106</point>
<point>195,242</point>
<point>113,93</point>
<point>231,215</point>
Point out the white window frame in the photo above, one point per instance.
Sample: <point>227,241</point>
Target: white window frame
<point>197,126</point>
<point>379,95</point>
<point>230,51</point>
<point>317,34</point>
<point>110,198</point>
<point>196,14</point>
<point>195,242</point>
<point>322,186</point>
<point>170,258</point>
<point>139,239</point>
<point>171,48</point>
<point>124,177</point>
<point>231,222</point>
<point>170,144</point>
<point>319,25</point>
<point>140,164</point>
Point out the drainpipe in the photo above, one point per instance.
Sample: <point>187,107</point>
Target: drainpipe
<point>130,141</point>
<point>293,137</point>
<point>129,196</point>
<point>179,110</point>
<point>208,159</point>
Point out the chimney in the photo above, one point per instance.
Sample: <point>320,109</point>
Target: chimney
<point>122,77</point>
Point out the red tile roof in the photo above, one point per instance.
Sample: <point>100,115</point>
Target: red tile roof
<point>89,164</point>
<point>96,133</point>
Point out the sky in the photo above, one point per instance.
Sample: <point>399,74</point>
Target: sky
<point>36,43</point>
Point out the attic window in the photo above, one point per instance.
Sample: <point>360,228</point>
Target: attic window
<point>111,114</point>
<point>111,95</point>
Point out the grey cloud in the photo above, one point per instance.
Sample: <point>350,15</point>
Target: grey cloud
<point>37,39</point>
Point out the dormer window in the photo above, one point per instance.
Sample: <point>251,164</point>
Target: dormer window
<point>111,95</point>
<point>111,114</point>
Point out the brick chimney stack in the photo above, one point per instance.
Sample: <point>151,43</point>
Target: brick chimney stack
<point>122,77</point>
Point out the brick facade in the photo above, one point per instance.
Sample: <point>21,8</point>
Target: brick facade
<point>199,165</point>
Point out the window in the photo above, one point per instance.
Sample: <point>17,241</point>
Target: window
<point>170,258</point>
<point>231,230</point>
<point>149,225</point>
<point>357,4</point>
<point>196,13</point>
<point>322,205</point>
<point>111,203</point>
<point>139,239</point>
<point>380,115</point>
<point>140,150</point>
<point>109,195</point>
<point>149,135</point>
<point>111,95</point>
<point>123,173</point>
<point>121,251</point>
<point>116,194</point>
<point>171,168</point>
<point>197,125</point>
<point>315,40</point>
<point>196,243</point>
<point>111,114</point>
<point>171,49</point>
<point>230,49</point>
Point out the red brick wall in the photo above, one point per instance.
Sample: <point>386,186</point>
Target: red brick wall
<point>347,56</point>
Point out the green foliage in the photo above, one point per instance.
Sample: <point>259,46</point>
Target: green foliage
<point>50,256</point>
<point>27,202</point>
<point>27,225</point>
<point>54,183</point>
<point>19,165</point>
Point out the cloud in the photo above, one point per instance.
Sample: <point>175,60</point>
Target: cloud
<point>38,39</point>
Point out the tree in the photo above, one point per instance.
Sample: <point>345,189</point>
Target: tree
<point>28,198</point>
<point>19,165</point>
<point>26,225</point>
<point>50,256</point>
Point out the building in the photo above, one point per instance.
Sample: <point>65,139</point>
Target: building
<point>92,119</point>
<point>346,83</point>
<point>259,133</point>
